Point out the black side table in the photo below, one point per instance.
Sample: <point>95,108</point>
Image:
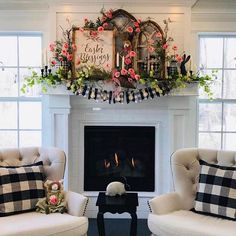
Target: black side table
<point>118,204</point>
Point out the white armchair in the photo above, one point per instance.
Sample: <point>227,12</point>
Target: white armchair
<point>170,213</point>
<point>72,223</point>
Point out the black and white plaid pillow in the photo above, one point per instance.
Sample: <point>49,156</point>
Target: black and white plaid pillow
<point>20,188</point>
<point>216,193</point>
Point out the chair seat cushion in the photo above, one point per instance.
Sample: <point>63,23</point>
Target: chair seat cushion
<point>186,223</point>
<point>37,224</point>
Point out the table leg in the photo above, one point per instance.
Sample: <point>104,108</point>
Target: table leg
<point>133,228</point>
<point>100,224</point>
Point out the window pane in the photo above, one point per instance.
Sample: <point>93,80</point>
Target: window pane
<point>8,117</point>
<point>216,85</point>
<point>8,49</point>
<point>31,92</point>
<point>210,116</point>
<point>211,52</point>
<point>209,140</point>
<point>30,138</point>
<point>229,141</point>
<point>229,119</point>
<point>230,84</point>
<point>30,114</point>
<point>230,49</point>
<point>8,83</point>
<point>8,139</point>
<point>30,51</point>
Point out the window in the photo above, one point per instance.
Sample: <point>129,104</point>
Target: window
<point>20,114</point>
<point>217,118</point>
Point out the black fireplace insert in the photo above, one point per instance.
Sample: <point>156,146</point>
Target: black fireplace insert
<point>112,152</point>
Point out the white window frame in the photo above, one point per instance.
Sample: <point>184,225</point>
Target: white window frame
<point>20,98</point>
<point>221,100</point>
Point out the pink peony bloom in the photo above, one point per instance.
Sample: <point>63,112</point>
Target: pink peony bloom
<point>151,49</point>
<point>53,200</point>
<point>139,21</point>
<point>159,35</point>
<point>60,58</point>
<point>131,70</point>
<point>66,45</point>
<point>73,46</point>
<point>136,24</point>
<point>127,61</point>
<point>130,29</point>
<point>100,29</point>
<point>64,53</point>
<point>179,59</point>
<point>132,75</point>
<point>137,77</point>
<point>132,54</point>
<point>117,74</point>
<point>69,57</point>
<point>52,47</point>
<point>53,62</point>
<point>105,25</point>
<point>93,34</point>
<point>130,80</point>
<point>109,14</point>
<point>137,30</point>
<point>174,48</point>
<point>124,72</point>
<point>165,46</point>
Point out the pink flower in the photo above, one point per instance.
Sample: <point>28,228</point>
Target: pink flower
<point>151,49</point>
<point>124,72</point>
<point>60,58</point>
<point>107,65</point>
<point>52,47</point>
<point>53,200</point>
<point>105,25</point>
<point>179,59</point>
<point>131,70</point>
<point>174,48</point>
<point>130,80</point>
<point>53,62</point>
<point>127,61</point>
<point>159,35</point>
<point>100,29</point>
<point>165,46</point>
<point>139,21</point>
<point>93,34</point>
<point>85,20</point>
<point>132,75</point>
<point>137,30</point>
<point>69,57</point>
<point>132,54</point>
<point>117,74</point>
<point>66,45</point>
<point>109,14</point>
<point>64,53</point>
<point>73,46</point>
<point>137,77</point>
<point>130,29</point>
<point>136,24</point>
<point>78,61</point>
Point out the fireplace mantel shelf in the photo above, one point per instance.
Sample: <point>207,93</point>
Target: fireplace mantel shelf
<point>190,90</point>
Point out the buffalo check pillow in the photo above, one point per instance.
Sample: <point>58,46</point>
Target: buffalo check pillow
<point>216,193</point>
<point>20,188</point>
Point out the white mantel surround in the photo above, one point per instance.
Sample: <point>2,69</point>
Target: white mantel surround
<point>174,117</point>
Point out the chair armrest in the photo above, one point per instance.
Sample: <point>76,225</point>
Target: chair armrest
<point>76,203</point>
<point>165,204</point>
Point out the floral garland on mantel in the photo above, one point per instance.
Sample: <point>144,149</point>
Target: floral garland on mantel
<point>120,84</point>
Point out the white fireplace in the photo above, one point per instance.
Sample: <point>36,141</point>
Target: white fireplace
<point>173,116</point>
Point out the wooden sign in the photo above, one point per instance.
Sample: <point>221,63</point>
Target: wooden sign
<point>93,48</point>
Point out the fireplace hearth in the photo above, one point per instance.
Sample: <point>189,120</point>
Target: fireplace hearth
<point>112,152</point>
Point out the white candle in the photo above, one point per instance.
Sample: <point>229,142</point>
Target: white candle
<point>117,59</point>
<point>123,62</point>
<point>46,57</point>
